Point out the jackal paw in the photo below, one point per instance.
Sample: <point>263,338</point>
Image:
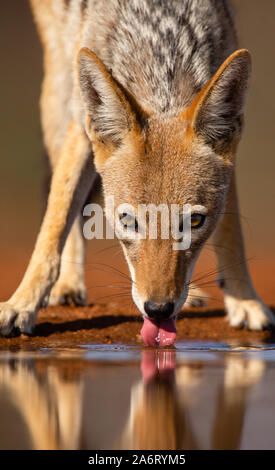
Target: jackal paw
<point>13,321</point>
<point>196,297</point>
<point>64,293</point>
<point>253,314</point>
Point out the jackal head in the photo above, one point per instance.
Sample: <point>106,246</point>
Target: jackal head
<point>148,158</point>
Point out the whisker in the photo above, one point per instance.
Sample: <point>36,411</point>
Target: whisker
<point>218,270</point>
<point>105,249</point>
<point>215,245</point>
<point>214,283</point>
<point>114,269</point>
<point>116,296</point>
<point>96,268</point>
<point>206,297</point>
<point>109,286</point>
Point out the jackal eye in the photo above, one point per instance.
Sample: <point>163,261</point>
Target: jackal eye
<point>128,221</point>
<point>197,220</point>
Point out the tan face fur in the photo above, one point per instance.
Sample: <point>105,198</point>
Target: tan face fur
<point>180,159</point>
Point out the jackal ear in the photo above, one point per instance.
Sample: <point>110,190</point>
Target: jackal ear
<point>220,104</point>
<point>109,112</point>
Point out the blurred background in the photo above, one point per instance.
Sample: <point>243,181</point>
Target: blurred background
<point>22,161</point>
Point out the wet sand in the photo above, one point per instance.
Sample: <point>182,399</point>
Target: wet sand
<point>111,324</point>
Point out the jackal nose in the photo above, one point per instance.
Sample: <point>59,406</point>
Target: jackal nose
<point>158,311</point>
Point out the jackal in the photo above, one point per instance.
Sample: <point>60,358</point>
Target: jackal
<point>150,94</point>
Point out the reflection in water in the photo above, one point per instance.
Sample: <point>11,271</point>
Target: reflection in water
<point>176,404</point>
<point>157,421</point>
<point>160,411</point>
<point>49,402</point>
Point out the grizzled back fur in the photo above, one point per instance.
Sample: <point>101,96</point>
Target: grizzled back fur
<point>162,52</point>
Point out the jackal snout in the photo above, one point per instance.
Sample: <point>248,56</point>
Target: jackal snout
<point>159,311</point>
<point>161,277</point>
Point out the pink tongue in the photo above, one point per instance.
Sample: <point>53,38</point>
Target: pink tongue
<point>163,334</point>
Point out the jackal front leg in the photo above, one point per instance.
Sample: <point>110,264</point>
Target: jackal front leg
<point>243,306</point>
<point>70,287</point>
<point>71,182</point>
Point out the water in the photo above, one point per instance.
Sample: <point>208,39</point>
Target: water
<point>199,395</point>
